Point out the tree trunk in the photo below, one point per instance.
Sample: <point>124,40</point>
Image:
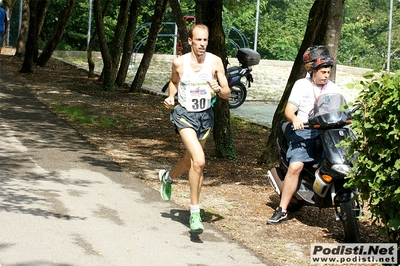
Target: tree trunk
<point>180,22</point>
<point>41,9</point>
<point>9,9</point>
<point>128,42</point>
<point>57,34</point>
<point>91,64</point>
<point>334,28</point>
<point>117,41</point>
<point>108,81</point>
<point>150,46</point>
<point>210,14</point>
<point>31,43</point>
<point>23,34</point>
<point>320,26</point>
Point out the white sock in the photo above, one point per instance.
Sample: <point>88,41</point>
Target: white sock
<point>168,177</point>
<point>194,208</point>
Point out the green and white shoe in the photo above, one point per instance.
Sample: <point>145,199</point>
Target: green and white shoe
<point>195,222</point>
<point>166,187</point>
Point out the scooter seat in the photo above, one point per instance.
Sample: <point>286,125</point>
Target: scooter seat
<point>283,131</point>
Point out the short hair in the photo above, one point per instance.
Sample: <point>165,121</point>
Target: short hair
<point>195,26</point>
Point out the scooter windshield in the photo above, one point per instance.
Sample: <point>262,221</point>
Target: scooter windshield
<point>329,111</point>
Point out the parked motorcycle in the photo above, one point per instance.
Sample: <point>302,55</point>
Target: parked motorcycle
<point>321,183</point>
<point>238,76</point>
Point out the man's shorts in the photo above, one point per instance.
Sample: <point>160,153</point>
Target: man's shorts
<point>201,122</point>
<point>1,38</point>
<point>301,145</point>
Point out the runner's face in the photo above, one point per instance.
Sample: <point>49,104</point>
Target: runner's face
<point>321,76</point>
<point>199,41</point>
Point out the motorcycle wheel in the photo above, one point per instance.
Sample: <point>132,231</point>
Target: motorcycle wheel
<point>238,95</point>
<point>348,215</point>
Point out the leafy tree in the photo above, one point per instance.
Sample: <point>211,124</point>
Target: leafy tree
<point>240,15</point>
<point>57,34</point>
<point>364,39</point>
<point>108,68</point>
<point>282,27</point>
<point>23,34</point>
<point>324,19</point>
<point>91,44</point>
<point>210,14</point>
<point>182,27</point>
<point>377,129</point>
<point>128,42</point>
<point>31,47</point>
<point>159,10</point>
<point>117,41</point>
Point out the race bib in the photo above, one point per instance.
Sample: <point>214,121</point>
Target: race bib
<point>198,97</point>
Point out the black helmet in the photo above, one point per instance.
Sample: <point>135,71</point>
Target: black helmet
<point>317,56</point>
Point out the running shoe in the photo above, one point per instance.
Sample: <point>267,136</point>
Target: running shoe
<point>166,189</point>
<point>195,222</point>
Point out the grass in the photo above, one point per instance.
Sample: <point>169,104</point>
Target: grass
<point>242,125</point>
<point>74,113</point>
<point>107,122</point>
<point>78,115</point>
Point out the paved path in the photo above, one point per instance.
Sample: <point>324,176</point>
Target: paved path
<point>63,202</point>
<point>256,112</point>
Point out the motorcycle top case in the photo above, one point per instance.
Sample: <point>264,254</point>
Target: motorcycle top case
<point>248,57</point>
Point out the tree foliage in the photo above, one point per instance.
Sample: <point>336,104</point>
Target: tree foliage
<point>282,24</point>
<point>377,164</point>
<point>364,39</point>
<point>324,18</point>
<point>210,14</point>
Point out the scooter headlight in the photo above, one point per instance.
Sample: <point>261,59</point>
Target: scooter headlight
<point>341,168</point>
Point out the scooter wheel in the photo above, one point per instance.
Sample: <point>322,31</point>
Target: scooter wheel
<point>238,95</point>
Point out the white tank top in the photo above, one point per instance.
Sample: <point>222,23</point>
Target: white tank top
<point>194,93</point>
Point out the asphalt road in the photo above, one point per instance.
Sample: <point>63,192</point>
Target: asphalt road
<point>63,202</point>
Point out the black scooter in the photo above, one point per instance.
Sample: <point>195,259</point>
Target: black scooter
<point>321,182</point>
<point>238,77</point>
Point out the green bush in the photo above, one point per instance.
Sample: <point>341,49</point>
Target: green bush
<point>377,165</point>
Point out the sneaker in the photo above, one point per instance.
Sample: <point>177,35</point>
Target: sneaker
<point>165,190</point>
<point>195,222</point>
<point>278,216</point>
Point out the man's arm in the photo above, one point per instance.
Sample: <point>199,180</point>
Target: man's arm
<point>220,86</point>
<point>290,113</point>
<point>173,84</point>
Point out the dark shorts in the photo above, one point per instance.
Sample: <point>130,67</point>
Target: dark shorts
<point>301,145</point>
<point>201,122</point>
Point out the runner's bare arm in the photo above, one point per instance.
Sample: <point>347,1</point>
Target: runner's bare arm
<point>220,85</point>
<point>173,84</point>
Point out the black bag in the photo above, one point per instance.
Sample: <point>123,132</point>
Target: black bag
<point>248,57</point>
